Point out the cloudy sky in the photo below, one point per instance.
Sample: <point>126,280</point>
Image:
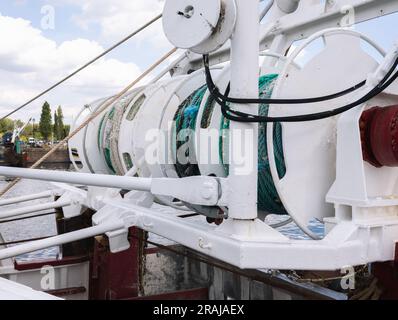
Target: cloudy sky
<point>34,54</point>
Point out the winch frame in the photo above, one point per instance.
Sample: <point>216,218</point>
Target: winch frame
<point>242,240</point>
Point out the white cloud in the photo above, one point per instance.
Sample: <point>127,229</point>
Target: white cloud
<point>30,62</point>
<point>118,18</point>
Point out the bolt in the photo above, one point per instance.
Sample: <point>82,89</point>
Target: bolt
<point>203,245</point>
<point>207,190</point>
<point>188,12</point>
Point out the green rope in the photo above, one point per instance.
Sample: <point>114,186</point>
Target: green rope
<point>185,118</point>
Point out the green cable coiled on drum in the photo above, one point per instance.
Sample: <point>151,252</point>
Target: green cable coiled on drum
<point>104,140</point>
<point>106,151</point>
<point>186,118</point>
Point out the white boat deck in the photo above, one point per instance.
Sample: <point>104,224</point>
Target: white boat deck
<point>10,290</point>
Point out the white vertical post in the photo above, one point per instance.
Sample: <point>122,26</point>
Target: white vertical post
<point>244,84</point>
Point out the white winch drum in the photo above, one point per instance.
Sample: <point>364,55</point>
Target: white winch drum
<point>109,132</point>
<point>126,141</point>
<point>210,116</point>
<point>310,147</point>
<point>129,138</point>
<point>186,88</point>
<point>91,143</point>
<point>145,131</point>
<point>79,150</point>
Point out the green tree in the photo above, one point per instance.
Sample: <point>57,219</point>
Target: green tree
<point>6,125</point>
<point>19,123</point>
<point>55,126</point>
<point>66,131</point>
<point>59,127</point>
<point>45,125</point>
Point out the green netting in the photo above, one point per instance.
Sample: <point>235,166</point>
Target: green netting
<point>103,139</point>
<point>136,107</point>
<point>207,112</point>
<point>185,118</point>
<point>268,198</point>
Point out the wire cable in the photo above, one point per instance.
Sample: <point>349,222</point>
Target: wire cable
<point>222,100</point>
<point>216,93</point>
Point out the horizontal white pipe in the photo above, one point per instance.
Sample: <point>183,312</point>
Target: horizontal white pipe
<point>29,197</point>
<point>59,240</point>
<point>35,208</point>
<point>88,179</point>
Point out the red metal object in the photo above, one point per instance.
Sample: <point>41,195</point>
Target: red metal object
<point>34,265</point>
<point>396,255</point>
<point>115,276</point>
<point>387,275</point>
<point>67,291</point>
<point>379,135</point>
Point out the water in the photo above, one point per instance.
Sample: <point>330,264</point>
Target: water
<point>30,228</point>
<point>46,226</point>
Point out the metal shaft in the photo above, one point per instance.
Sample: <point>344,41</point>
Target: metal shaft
<point>29,197</point>
<point>88,179</point>
<point>243,136</point>
<point>35,208</point>
<point>58,240</point>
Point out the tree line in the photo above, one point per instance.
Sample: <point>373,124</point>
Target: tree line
<point>49,126</point>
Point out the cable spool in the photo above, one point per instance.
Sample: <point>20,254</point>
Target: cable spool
<point>180,95</point>
<point>108,133</point>
<point>119,110</point>
<point>196,114</point>
<point>127,125</point>
<point>185,123</point>
<point>210,118</point>
<point>146,128</point>
<point>173,107</point>
<point>83,147</point>
<point>209,23</point>
<point>76,148</point>
<point>311,158</point>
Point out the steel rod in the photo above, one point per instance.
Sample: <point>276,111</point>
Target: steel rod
<point>59,240</point>
<point>35,208</point>
<point>29,197</point>
<point>88,179</point>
